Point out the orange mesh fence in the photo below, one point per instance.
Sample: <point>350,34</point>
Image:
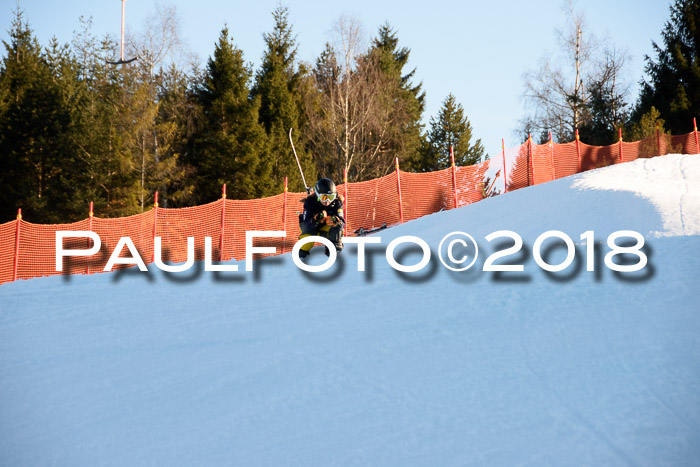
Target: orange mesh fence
<point>470,183</point>
<point>138,228</point>
<point>294,207</point>
<point>628,151</point>
<point>248,215</point>
<point>175,225</point>
<point>37,240</point>
<point>28,250</point>
<point>7,250</point>
<point>595,157</point>
<point>518,167</point>
<point>426,193</point>
<point>679,144</point>
<point>685,144</point>
<point>565,159</point>
<point>373,202</point>
<point>542,163</point>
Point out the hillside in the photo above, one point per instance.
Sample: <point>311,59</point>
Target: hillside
<point>283,367</point>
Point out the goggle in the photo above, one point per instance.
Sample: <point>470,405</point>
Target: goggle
<point>326,197</point>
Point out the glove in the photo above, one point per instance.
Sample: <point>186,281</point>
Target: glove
<point>332,221</point>
<point>321,217</point>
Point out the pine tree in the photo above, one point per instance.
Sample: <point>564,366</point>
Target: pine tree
<point>39,100</point>
<point>322,101</point>
<point>606,104</point>
<point>451,128</point>
<point>674,77</point>
<point>137,112</point>
<point>179,118</point>
<point>73,188</point>
<point>232,141</point>
<point>362,110</point>
<point>104,139</point>
<point>408,99</point>
<point>393,60</point>
<point>277,86</point>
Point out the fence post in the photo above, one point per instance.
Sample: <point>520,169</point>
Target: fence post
<point>454,174</point>
<point>284,215</point>
<point>695,130</point>
<point>620,143</point>
<point>551,153</point>
<point>578,151</point>
<point>17,234</point>
<point>223,218</point>
<point>505,178</point>
<point>398,187</point>
<point>345,201</point>
<point>658,139</point>
<point>90,214</point>
<point>532,163</point>
<point>155,226</point>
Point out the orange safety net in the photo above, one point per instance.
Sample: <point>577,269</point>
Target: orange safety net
<point>7,250</point>
<point>471,183</point>
<point>28,250</point>
<point>371,203</point>
<point>595,157</point>
<point>518,166</point>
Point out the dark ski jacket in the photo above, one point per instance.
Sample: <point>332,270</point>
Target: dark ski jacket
<point>313,206</point>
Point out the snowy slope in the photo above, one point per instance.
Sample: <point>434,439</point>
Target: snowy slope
<point>283,367</point>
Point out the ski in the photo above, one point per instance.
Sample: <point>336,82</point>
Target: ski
<point>361,232</point>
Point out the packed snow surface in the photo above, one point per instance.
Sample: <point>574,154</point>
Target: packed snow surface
<point>669,183</point>
<point>377,367</point>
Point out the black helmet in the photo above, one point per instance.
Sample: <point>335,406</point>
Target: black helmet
<point>325,188</point>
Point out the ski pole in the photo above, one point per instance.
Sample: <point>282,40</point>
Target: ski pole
<point>298,163</point>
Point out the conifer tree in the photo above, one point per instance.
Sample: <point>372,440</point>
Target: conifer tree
<point>363,112</point>
<point>137,115</point>
<point>38,105</point>
<point>232,141</point>
<point>451,128</point>
<point>73,189</point>
<point>408,99</point>
<point>179,118</point>
<point>104,121</point>
<point>277,87</point>
<point>674,76</point>
<point>322,98</point>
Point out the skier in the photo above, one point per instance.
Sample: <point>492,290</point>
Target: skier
<point>322,216</point>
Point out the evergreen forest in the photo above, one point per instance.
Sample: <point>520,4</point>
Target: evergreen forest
<point>76,129</point>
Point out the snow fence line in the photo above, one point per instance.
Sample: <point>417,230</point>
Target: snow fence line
<point>27,250</point>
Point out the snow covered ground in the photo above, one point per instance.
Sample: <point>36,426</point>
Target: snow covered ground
<point>283,367</point>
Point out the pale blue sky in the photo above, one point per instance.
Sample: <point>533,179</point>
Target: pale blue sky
<point>476,50</point>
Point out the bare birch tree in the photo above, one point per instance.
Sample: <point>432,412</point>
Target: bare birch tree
<point>159,38</point>
<point>556,91</point>
<point>158,41</point>
<point>353,108</point>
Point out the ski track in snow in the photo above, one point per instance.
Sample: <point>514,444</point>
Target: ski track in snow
<point>437,368</point>
<point>686,193</point>
<point>669,182</point>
